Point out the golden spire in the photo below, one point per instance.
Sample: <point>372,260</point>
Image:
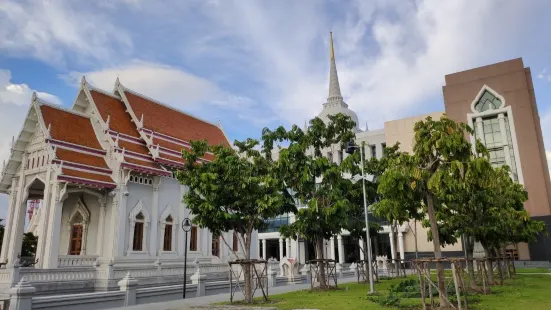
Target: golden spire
<point>331,51</point>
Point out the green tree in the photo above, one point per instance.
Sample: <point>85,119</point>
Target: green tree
<point>237,191</point>
<point>316,181</point>
<point>399,202</point>
<point>437,146</point>
<point>28,247</point>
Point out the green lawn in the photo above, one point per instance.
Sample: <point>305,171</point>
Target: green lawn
<point>533,270</point>
<point>530,292</point>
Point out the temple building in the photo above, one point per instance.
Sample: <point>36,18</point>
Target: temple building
<point>498,102</point>
<point>103,171</point>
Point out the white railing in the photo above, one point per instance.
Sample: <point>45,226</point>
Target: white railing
<point>54,275</point>
<point>76,260</point>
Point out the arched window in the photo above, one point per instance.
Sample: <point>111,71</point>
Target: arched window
<point>167,234</point>
<point>139,221</point>
<point>488,101</point>
<point>167,242</point>
<point>78,229</point>
<point>137,243</point>
<point>194,240</point>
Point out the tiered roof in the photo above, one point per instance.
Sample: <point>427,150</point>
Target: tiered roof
<point>77,148</point>
<point>151,144</point>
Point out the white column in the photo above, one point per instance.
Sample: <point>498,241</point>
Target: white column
<point>332,247</point>
<point>401,244</point>
<point>54,235</point>
<point>392,245</point>
<point>341,249</point>
<point>46,206</point>
<point>101,228</point>
<point>120,223</point>
<point>154,232</point>
<point>181,235</point>
<point>480,130</point>
<point>254,245</point>
<point>362,257</point>
<point>264,249</point>
<point>8,223</point>
<point>294,248</point>
<point>281,249</point>
<point>14,225</point>
<point>288,245</point>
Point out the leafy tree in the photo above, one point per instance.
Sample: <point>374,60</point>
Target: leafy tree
<point>315,180</point>
<point>237,191</point>
<point>488,207</point>
<point>28,247</point>
<point>398,202</point>
<point>437,146</point>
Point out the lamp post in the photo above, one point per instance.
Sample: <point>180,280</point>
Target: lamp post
<point>186,227</point>
<point>350,149</point>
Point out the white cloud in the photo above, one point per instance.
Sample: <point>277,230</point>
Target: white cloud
<point>53,31</point>
<point>14,102</point>
<point>391,55</point>
<point>174,86</point>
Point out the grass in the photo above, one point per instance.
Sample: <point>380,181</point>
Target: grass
<point>533,270</point>
<point>521,292</point>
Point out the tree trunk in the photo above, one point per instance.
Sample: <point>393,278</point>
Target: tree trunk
<point>469,245</point>
<point>499,265</point>
<point>247,272</point>
<point>415,235</point>
<point>437,251</point>
<point>394,253</point>
<point>489,265</point>
<point>321,265</point>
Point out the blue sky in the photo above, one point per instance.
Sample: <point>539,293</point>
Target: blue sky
<point>251,64</point>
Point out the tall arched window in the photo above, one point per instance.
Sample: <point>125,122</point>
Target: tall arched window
<point>137,243</point>
<point>167,231</point>
<point>78,229</point>
<point>139,221</point>
<point>167,242</point>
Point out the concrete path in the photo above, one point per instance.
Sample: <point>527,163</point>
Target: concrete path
<point>205,300</point>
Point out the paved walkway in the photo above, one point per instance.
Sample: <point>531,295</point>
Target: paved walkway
<point>185,304</point>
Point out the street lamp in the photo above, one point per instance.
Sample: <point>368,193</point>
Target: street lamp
<point>350,149</point>
<point>186,226</point>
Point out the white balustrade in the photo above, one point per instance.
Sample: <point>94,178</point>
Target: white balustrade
<point>76,260</point>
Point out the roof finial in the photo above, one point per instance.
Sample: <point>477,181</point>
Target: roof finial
<point>334,87</point>
<point>49,129</point>
<point>305,125</point>
<point>33,98</point>
<point>331,51</point>
<point>366,127</point>
<point>83,81</point>
<point>108,120</point>
<point>117,140</point>
<point>3,165</point>
<point>141,120</point>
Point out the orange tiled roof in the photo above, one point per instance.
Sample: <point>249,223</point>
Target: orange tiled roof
<point>69,127</point>
<point>170,122</point>
<point>119,119</point>
<point>177,148</point>
<point>144,163</point>
<point>133,147</point>
<point>81,158</point>
<point>87,175</point>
